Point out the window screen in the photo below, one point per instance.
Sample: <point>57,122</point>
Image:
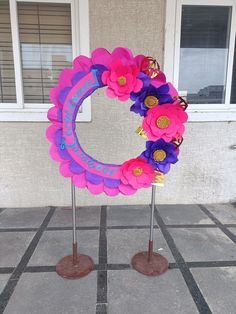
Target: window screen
<point>233,87</point>
<point>7,75</point>
<point>204,53</point>
<point>46,47</point>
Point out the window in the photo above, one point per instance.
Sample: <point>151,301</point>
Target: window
<point>7,75</point>
<point>200,56</point>
<point>46,47</point>
<point>37,40</point>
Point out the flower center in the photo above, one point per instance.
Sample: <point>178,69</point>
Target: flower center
<point>163,122</point>
<point>150,101</point>
<point>159,155</point>
<point>137,171</point>
<point>121,80</point>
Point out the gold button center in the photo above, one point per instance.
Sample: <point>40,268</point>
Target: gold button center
<point>163,122</point>
<point>159,155</point>
<point>122,80</point>
<point>150,101</point>
<point>137,172</point>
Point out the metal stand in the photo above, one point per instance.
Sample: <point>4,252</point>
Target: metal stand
<point>150,263</point>
<point>76,265</point>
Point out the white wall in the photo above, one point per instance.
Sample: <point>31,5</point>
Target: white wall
<point>207,167</point>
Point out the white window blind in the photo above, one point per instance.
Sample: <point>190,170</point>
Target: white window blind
<point>7,76</point>
<point>46,47</point>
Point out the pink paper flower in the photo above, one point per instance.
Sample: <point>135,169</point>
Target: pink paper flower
<point>137,172</point>
<point>122,80</point>
<point>165,121</point>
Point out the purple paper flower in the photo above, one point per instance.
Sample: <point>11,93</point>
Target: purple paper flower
<point>160,155</point>
<point>148,97</point>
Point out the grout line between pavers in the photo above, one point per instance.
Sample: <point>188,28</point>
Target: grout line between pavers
<point>191,226</point>
<point>212,264</point>
<point>19,269</point>
<point>106,267</point>
<point>218,223</point>
<point>131,227</point>
<point>70,228</point>
<point>194,290</point>
<point>2,209</point>
<point>101,305</point>
<point>18,229</point>
<point>6,270</point>
<point>179,226</point>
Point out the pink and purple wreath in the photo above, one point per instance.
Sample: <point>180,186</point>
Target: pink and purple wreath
<point>125,77</point>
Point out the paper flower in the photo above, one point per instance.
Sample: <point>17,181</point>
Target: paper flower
<point>150,97</point>
<point>137,173</point>
<point>165,122</point>
<point>160,155</point>
<point>121,80</point>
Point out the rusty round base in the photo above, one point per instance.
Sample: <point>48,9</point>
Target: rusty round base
<point>67,269</point>
<point>157,265</point>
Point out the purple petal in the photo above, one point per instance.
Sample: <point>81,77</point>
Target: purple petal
<point>111,183</point>
<point>75,167</point>
<point>163,89</point>
<point>93,178</point>
<point>78,76</point>
<point>63,94</point>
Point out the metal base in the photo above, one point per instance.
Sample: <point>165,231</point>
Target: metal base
<point>70,269</point>
<point>150,265</point>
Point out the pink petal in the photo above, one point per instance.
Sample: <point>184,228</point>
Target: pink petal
<point>116,65</point>
<point>52,114</point>
<point>101,56</point>
<point>126,189</point>
<point>138,86</point>
<point>65,169</point>
<point>111,191</point>
<point>110,93</point>
<point>113,76</point>
<point>82,63</point>
<point>159,80</point>
<point>54,153</point>
<point>105,76</point>
<point>138,60</point>
<point>80,180</point>
<point>172,91</point>
<point>123,179</point>
<point>124,97</point>
<point>51,133</point>
<point>95,188</point>
<point>65,78</point>
<point>123,54</point>
<point>54,93</point>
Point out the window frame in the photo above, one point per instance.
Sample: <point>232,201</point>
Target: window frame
<point>21,111</point>
<point>198,112</point>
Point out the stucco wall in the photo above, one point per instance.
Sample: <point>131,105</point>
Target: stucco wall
<point>207,167</point>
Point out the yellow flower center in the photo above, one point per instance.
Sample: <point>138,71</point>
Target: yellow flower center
<point>163,122</point>
<point>159,155</point>
<point>150,101</point>
<point>121,80</point>
<point>137,171</point>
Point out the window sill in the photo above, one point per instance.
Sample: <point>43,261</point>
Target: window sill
<point>209,115</point>
<point>36,115</point>
<point>40,115</point>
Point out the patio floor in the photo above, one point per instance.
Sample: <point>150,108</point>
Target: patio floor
<point>199,241</point>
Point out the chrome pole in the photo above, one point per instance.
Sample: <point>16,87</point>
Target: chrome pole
<point>150,247</point>
<point>74,221</point>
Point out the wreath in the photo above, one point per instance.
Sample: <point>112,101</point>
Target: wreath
<point>125,77</point>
